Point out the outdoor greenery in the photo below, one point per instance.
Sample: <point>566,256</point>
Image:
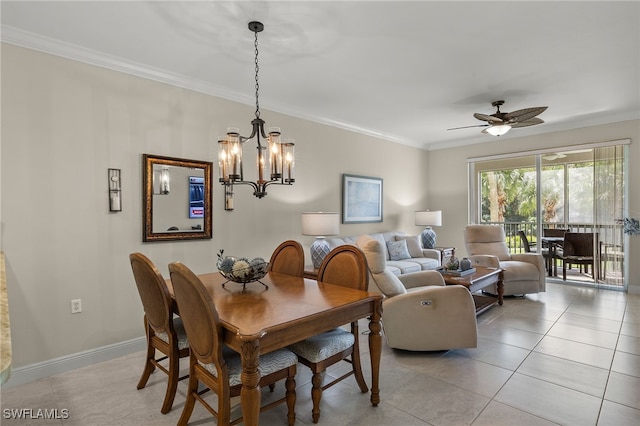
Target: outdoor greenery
<point>509,195</point>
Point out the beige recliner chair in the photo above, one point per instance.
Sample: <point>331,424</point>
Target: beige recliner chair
<point>420,313</point>
<point>524,273</point>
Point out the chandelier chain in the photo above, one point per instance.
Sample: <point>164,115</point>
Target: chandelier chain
<point>257,83</point>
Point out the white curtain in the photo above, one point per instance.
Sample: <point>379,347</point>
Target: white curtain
<point>609,212</point>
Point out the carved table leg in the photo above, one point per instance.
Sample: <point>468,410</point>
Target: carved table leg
<point>500,286</point>
<point>375,351</point>
<point>250,393</point>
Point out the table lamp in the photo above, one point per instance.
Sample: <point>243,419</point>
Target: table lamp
<point>428,219</point>
<point>319,225</point>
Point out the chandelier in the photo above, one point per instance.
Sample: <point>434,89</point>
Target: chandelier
<point>280,154</point>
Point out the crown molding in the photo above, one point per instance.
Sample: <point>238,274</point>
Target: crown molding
<point>74,52</point>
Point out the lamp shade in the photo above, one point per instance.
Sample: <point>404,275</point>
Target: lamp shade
<point>320,223</point>
<point>429,218</point>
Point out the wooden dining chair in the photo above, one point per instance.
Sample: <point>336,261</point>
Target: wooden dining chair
<point>213,364</point>
<point>165,332</point>
<point>346,266</point>
<point>578,249</point>
<point>288,258</point>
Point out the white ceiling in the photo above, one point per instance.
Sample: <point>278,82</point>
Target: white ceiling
<point>401,70</point>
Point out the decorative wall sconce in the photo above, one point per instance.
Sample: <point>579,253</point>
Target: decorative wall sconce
<point>115,195</point>
<point>165,181</point>
<point>161,181</point>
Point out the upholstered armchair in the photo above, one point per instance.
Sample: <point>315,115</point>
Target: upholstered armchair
<point>524,273</point>
<point>420,312</point>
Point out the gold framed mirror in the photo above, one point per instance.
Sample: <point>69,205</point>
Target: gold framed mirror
<point>177,199</point>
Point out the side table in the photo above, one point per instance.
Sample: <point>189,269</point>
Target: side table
<point>446,253</point>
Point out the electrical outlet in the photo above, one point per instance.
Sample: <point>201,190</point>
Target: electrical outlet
<point>76,306</point>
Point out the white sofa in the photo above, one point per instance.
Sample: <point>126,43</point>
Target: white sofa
<point>413,259</point>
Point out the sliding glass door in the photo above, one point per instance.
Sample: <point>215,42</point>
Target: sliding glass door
<point>577,189</point>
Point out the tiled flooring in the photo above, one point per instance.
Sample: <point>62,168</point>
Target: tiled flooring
<point>570,356</point>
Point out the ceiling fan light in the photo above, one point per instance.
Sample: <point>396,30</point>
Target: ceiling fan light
<point>498,129</point>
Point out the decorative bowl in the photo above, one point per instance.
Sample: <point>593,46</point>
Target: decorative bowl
<point>242,270</point>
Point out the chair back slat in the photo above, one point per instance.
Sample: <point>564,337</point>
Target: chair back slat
<point>288,258</point>
<point>525,241</point>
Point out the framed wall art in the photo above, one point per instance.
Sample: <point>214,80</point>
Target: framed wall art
<point>361,199</point>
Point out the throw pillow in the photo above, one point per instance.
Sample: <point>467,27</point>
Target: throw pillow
<point>398,250</point>
<point>413,244</point>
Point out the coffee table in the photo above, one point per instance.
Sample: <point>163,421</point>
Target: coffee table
<point>481,278</point>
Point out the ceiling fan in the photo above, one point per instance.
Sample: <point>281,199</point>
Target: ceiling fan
<point>500,123</point>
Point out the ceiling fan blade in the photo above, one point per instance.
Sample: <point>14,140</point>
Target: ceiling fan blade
<point>467,127</point>
<point>524,114</point>
<point>485,117</point>
<point>529,122</point>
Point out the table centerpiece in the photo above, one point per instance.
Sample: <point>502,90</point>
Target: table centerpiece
<point>242,270</point>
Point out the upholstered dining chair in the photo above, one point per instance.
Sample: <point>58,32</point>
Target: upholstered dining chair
<point>288,258</point>
<point>213,364</point>
<point>165,332</point>
<point>346,266</point>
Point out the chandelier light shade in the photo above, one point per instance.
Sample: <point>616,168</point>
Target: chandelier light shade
<point>271,149</point>
<point>320,225</point>
<point>498,129</point>
<point>428,219</point>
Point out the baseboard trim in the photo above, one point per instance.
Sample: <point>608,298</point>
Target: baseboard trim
<point>29,373</point>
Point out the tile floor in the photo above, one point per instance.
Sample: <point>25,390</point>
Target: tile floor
<point>570,356</point>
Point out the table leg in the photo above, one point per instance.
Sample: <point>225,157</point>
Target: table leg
<point>375,352</point>
<point>500,286</point>
<point>250,394</point>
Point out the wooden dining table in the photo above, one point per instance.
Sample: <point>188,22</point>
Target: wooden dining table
<point>280,310</point>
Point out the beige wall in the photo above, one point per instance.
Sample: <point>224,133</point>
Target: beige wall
<point>447,179</point>
<point>65,123</point>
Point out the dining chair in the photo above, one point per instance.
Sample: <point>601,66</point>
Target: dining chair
<point>164,331</point>
<point>288,258</point>
<point>345,265</point>
<point>213,364</point>
<point>555,248</point>
<point>553,232</point>
<point>578,249</point>
<point>528,248</point>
